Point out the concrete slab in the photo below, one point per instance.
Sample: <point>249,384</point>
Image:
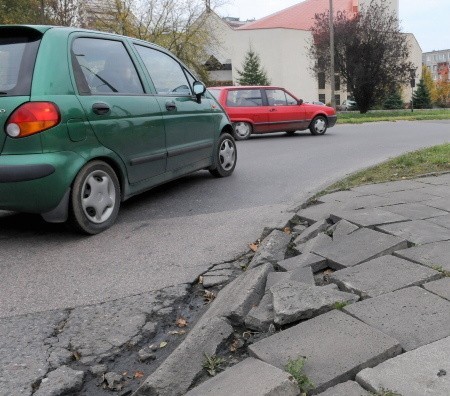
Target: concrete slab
<point>418,232</point>
<point>435,179</point>
<point>443,221</point>
<point>349,388</point>
<point>318,212</point>
<point>413,316</point>
<point>383,188</point>
<point>410,196</point>
<point>335,345</point>
<point>424,371</point>
<point>439,191</point>
<point>358,247</point>
<point>249,377</point>
<point>440,287</point>
<point>367,217</point>
<point>432,255</point>
<point>302,275</point>
<point>176,374</point>
<point>340,196</point>
<point>415,211</point>
<point>261,317</point>
<point>343,228</point>
<point>271,250</point>
<point>320,241</point>
<point>382,275</point>
<point>295,301</point>
<point>236,299</point>
<point>312,231</point>
<point>440,203</point>
<point>317,263</point>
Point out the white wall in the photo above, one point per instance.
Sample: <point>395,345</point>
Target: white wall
<point>284,57</point>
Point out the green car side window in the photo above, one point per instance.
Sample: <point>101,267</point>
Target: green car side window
<point>106,66</point>
<point>166,73</point>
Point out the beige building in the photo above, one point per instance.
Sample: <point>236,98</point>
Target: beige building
<point>282,40</point>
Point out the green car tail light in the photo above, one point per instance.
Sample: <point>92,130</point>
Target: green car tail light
<point>31,118</point>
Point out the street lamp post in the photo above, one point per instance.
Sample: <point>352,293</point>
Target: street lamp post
<point>332,79</point>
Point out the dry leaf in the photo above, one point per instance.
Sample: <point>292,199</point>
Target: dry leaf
<point>287,230</point>
<point>253,247</point>
<point>200,280</point>
<point>181,322</point>
<point>163,344</point>
<point>234,345</point>
<point>76,355</point>
<point>138,374</point>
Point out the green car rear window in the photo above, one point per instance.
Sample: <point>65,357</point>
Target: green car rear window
<point>18,49</point>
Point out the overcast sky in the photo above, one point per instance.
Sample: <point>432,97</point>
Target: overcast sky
<point>429,20</point>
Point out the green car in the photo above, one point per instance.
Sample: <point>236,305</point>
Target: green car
<point>90,119</point>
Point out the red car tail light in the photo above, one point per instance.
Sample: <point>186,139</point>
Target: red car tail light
<point>31,118</point>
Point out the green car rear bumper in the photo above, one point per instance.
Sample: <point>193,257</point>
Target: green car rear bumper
<point>39,185</point>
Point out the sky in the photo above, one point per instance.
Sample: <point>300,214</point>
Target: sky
<point>428,20</point>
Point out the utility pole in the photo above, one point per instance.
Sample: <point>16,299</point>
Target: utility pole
<point>332,79</point>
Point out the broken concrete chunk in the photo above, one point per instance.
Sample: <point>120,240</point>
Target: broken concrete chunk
<point>272,249</point>
<point>294,301</point>
<point>61,381</point>
<point>312,231</point>
<point>316,263</point>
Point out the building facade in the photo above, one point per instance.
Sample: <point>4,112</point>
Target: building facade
<point>438,63</point>
<point>282,41</point>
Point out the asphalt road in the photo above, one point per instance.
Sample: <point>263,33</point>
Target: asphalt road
<point>173,233</point>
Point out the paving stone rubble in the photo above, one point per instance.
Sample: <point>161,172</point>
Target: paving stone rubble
<point>361,240</point>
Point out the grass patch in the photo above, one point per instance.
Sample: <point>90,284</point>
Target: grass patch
<point>440,269</point>
<point>296,369</point>
<point>410,165</point>
<point>340,305</point>
<point>398,115</point>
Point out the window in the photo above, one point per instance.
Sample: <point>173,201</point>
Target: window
<point>17,56</point>
<point>166,73</point>
<point>337,98</point>
<point>244,98</point>
<point>321,78</point>
<point>322,98</point>
<point>278,97</point>
<point>337,82</point>
<point>104,66</point>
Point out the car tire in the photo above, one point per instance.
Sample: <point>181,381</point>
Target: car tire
<point>242,130</point>
<point>95,198</point>
<point>225,156</point>
<point>318,125</point>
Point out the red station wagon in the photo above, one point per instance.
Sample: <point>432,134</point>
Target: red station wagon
<point>271,109</point>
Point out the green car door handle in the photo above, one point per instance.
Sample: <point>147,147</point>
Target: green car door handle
<point>100,108</point>
<point>171,106</point>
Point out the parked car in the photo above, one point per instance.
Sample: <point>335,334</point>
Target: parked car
<point>348,105</point>
<point>271,109</point>
<point>90,119</point>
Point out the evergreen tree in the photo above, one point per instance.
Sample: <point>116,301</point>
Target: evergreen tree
<point>252,73</point>
<point>393,101</point>
<point>421,97</point>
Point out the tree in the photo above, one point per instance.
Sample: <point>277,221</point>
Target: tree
<point>371,54</point>
<point>252,72</point>
<point>177,25</point>
<point>421,97</point>
<point>394,101</point>
<point>443,93</point>
<point>430,84</point>
<point>20,11</point>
